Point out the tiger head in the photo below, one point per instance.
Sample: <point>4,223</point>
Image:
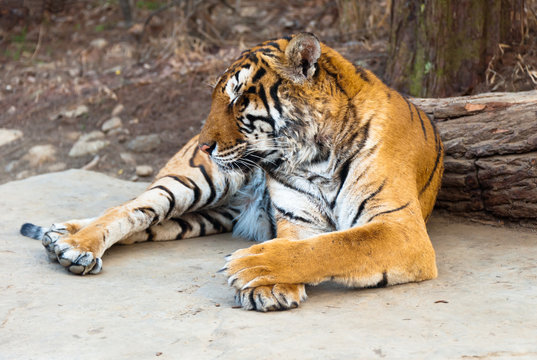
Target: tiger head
<point>272,100</point>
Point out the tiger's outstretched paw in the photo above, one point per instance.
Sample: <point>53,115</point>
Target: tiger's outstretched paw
<point>61,248</point>
<point>271,297</point>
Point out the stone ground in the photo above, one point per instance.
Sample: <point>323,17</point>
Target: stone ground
<point>165,300</point>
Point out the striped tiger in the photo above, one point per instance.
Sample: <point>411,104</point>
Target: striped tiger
<point>333,172</point>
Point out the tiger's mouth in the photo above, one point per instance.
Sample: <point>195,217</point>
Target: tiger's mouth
<point>243,158</point>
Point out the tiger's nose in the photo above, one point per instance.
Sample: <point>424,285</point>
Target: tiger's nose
<point>208,148</point>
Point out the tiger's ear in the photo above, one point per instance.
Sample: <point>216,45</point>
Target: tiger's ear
<point>301,55</point>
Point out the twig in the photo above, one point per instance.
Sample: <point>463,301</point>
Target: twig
<point>39,40</point>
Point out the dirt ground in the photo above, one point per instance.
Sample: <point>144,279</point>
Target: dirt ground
<point>156,80</point>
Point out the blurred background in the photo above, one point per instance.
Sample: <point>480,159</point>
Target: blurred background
<point>118,86</point>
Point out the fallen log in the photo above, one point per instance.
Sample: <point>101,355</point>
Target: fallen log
<point>490,144</point>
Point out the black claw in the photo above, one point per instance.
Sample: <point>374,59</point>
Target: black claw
<point>222,270</point>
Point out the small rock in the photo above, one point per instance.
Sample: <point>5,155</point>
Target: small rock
<point>57,167</point>
<point>144,170</point>
<point>144,143</point>
<point>12,110</point>
<point>112,123</point>
<point>120,132</point>
<point>134,121</point>
<point>118,109</point>
<point>94,135</point>
<point>99,43</point>
<point>89,144</point>
<point>9,88</point>
<point>71,112</point>
<point>9,135</point>
<point>40,154</point>
<point>128,158</point>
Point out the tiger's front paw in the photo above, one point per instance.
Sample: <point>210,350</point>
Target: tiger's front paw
<point>278,261</point>
<point>61,247</point>
<point>271,297</point>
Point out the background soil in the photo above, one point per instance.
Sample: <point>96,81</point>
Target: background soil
<point>63,76</point>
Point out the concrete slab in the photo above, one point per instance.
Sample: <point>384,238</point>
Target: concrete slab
<point>165,300</point>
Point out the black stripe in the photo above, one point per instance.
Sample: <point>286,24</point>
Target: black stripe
<point>263,97</point>
<point>258,75</point>
<point>274,95</point>
<point>382,283</point>
<point>389,211</point>
<point>342,177</point>
<point>203,171</point>
<point>217,225</point>
<point>253,58</point>
<point>436,162</point>
<point>252,301</point>
<point>149,233</point>
<point>364,132</point>
<point>365,201</point>
<point>266,119</point>
<point>202,228</point>
<point>421,121</point>
<point>267,52</point>
<point>409,108</point>
<point>192,186</point>
<point>185,226</point>
<point>291,216</point>
<point>274,44</point>
<point>228,216</point>
<point>282,181</point>
<point>171,199</point>
<point>363,74</point>
<point>147,212</point>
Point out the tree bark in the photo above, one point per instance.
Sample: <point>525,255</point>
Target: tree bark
<point>442,48</point>
<point>490,161</point>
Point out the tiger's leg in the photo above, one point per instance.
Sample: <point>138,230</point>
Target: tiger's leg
<point>394,248</point>
<point>186,226</point>
<point>279,296</point>
<point>189,182</point>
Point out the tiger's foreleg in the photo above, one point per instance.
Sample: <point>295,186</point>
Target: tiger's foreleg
<point>277,296</point>
<point>389,250</point>
<point>189,183</point>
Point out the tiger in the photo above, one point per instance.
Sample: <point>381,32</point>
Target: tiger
<point>330,171</point>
